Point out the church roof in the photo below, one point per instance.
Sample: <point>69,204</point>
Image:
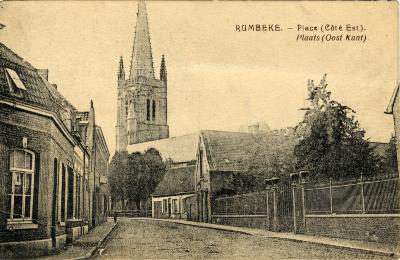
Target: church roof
<point>179,149</point>
<point>176,181</point>
<point>142,60</point>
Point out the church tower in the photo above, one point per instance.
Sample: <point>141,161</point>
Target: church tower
<point>142,99</point>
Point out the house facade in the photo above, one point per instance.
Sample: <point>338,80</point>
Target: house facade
<point>46,162</point>
<point>394,109</point>
<point>173,197</point>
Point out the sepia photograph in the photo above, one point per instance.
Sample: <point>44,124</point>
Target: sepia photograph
<point>199,129</point>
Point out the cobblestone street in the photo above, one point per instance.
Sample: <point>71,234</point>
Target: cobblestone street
<point>140,239</point>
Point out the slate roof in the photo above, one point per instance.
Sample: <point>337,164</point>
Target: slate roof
<point>36,93</point>
<point>231,151</point>
<point>176,181</point>
<point>227,151</point>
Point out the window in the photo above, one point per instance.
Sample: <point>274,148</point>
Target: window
<point>14,81</point>
<point>126,108</point>
<point>175,205</point>
<point>20,193</point>
<point>70,201</point>
<point>165,205</point>
<point>62,194</point>
<point>154,109</point>
<point>78,197</point>
<point>148,110</point>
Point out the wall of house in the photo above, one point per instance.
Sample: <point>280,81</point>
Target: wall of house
<point>45,140</point>
<point>384,229</point>
<point>396,118</point>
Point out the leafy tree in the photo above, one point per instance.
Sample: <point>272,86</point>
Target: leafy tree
<point>135,176</point>
<point>390,159</point>
<point>332,143</point>
<point>145,172</point>
<point>117,173</point>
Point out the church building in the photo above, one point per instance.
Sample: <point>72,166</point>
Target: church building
<point>142,99</point>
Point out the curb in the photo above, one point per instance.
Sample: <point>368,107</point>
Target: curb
<point>195,224</point>
<point>94,249</point>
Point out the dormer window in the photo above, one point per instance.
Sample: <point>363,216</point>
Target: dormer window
<point>14,82</point>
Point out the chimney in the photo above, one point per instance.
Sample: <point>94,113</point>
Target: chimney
<point>44,73</point>
<point>254,129</point>
<point>54,86</point>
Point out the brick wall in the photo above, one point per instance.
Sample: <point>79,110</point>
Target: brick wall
<point>378,229</point>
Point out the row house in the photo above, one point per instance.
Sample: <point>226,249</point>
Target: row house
<point>53,163</point>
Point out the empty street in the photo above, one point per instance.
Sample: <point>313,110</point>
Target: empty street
<point>144,239</point>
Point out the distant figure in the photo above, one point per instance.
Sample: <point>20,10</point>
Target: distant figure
<point>115,216</point>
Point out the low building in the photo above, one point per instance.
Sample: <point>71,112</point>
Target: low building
<point>173,197</point>
<point>46,162</point>
<point>394,109</point>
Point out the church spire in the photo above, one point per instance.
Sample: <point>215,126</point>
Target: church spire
<point>142,60</point>
<point>163,69</point>
<point>121,70</point>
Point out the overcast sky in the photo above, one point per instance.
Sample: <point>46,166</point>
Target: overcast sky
<point>217,78</point>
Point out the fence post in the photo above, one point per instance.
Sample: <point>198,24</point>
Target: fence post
<point>362,194</point>
<point>304,204</point>
<point>269,224</point>
<point>294,209</point>
<point>330,194</point>
<point>275,209</point>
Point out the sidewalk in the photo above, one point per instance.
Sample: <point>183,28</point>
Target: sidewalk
<point>85,246</point>
<point>372,247</point>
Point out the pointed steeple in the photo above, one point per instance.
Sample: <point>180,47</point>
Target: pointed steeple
<point>163,69</point>
<point>142,60</point>
<point>121,71</point>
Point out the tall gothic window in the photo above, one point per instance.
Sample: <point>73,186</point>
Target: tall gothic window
<point>20,192</point>
<point>148,110</point>
<point>126,108</point>
<point>154,109</point>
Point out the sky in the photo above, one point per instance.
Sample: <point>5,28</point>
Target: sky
<point>218,78</point>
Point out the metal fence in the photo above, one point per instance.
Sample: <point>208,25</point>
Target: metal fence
<point>245,204</point>
<point>358,197</point>
<point>132,213</point>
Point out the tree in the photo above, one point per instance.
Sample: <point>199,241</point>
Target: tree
<point>145,172</point>
<point>117,172</point>
<point>390,159</point>
<point>332,143</point>
<point>135,176</point>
